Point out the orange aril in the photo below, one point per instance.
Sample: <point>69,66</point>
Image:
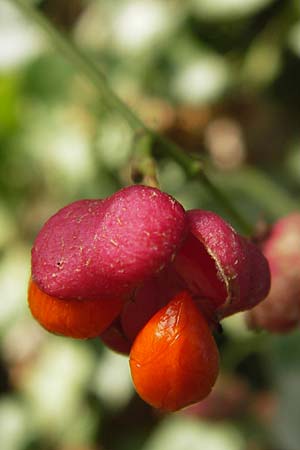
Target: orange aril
<point>174,359</point>
<point>73,318</point>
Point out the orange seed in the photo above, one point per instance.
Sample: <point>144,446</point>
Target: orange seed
<point>174,359</point>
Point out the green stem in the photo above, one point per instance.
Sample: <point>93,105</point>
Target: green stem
<point>92,73</point>
<point>143,166</point>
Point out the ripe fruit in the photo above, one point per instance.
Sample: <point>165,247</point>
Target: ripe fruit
<point>147,277</point>
<point>73,318</point>
<point>174,359</point>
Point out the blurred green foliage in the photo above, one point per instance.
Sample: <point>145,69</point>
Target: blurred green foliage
<point>219,77</point>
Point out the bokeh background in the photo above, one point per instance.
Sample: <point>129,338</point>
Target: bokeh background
<point>222,79</point>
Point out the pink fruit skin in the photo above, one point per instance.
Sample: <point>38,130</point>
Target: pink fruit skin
<point>114,338</point>
<point>144,302</point>
<point>232,273</point>
<point>280,311</point>
<point>154,294</point>
<point>105,248</point>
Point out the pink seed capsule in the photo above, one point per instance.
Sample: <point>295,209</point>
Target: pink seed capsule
<point>114,338</point>
<point>280,311</point>
<point>105,248</point>
<point>222,268</point>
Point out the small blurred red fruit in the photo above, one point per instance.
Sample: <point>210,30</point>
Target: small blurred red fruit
<point>280,311</point>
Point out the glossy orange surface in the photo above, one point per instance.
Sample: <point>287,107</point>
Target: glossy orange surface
<point>174,359</point>
<point>73,318</point>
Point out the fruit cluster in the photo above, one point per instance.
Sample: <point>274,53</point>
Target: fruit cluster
<point>151,280</point>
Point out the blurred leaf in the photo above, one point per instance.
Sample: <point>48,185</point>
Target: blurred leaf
<point>180,433</point>
<point>54,385</point>
<point>112,382</point>
<point>10,97</point>
<point>138,26</point>
<point>236,326</point>
<point>294,38</point>
<point>262,63</point>
<point>19,40</point>
<point>285,368</point>
<point>14,273</point>
<point>200,80</point>
<point>48,78</point>
<point>227,9</point>
<point>257,194</point>
<point>113,143</point>
<point>13,424</point>
<point>7,226</point>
